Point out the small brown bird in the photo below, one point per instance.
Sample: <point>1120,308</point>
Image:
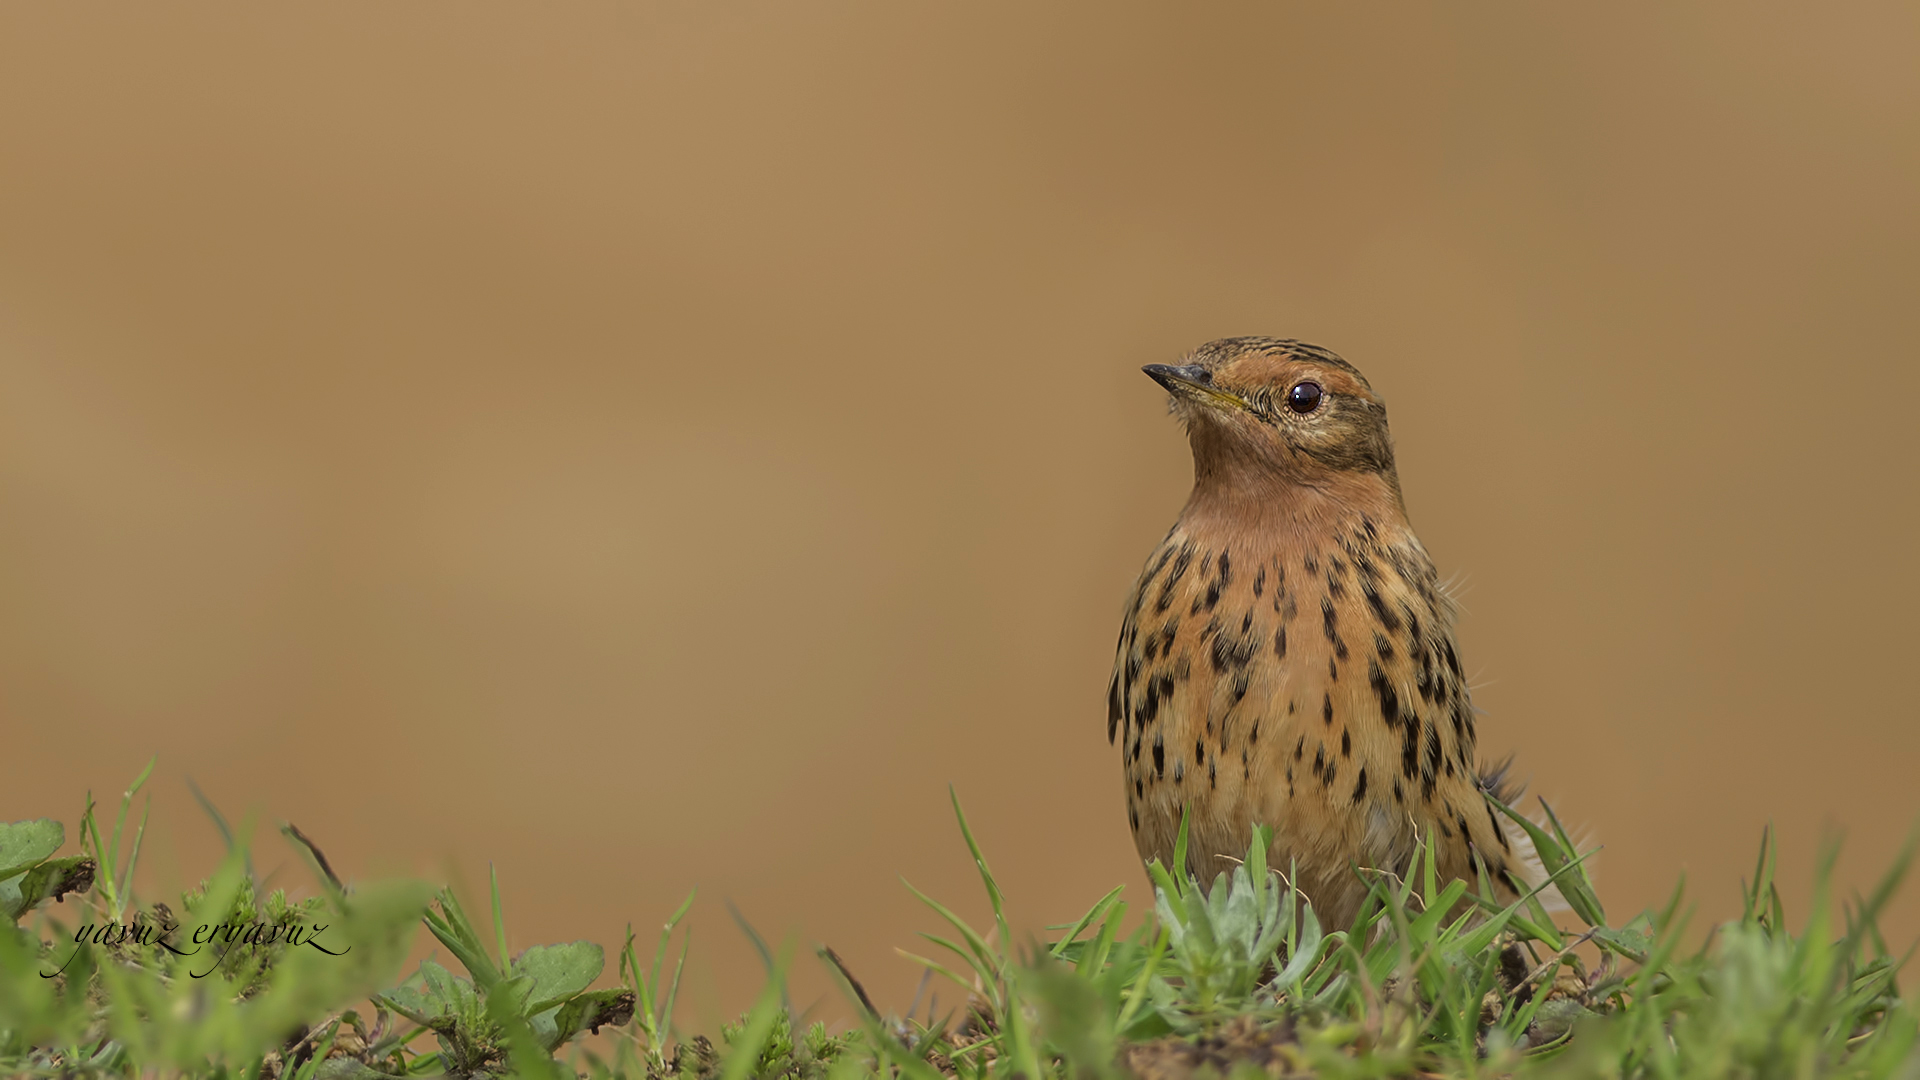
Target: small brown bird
<point>1287,657</point>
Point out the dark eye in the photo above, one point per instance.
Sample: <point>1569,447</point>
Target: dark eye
<point>1304,398</point>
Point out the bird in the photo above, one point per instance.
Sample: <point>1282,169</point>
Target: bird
<point>1287,656</point>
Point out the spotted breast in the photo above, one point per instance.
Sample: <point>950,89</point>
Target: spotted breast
<point>1287,656</point>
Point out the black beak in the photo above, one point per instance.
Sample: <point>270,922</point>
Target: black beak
<point>1176,379</point>
<point>1191,382</point>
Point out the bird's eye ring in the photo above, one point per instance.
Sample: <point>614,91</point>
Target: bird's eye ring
<point>1304,397</point>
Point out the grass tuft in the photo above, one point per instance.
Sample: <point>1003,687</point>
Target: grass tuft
<point>1234,977</point>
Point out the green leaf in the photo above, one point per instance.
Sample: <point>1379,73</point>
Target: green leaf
<point>50,880</point>
<point>441,992</point>
<point>1164,880</point>
<point>526,1056</point>
<point>1257,859</point>
<point>1305,952</point>
<point>24,843</point>
<point>1556,1018</point>
<point>1627,941</point>
<point>416,1005</point>
<point>559,971</point>
<point>591,1011</point>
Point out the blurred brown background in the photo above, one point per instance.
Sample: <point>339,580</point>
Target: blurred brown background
<point>649,445</point>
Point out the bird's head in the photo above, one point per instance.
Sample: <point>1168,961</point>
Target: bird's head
<point>1264,413</point>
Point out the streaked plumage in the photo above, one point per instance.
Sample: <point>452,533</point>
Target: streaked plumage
<point>1288,656</point>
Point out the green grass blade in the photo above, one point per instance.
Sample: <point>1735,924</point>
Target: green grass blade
<point>936,967</point>
<point>1762,876</point>
<point>1869,910</point>
<point>1429,892</point>
<point>1137,993</point>
<point>629,975</point>
<point>1094,913</point>
<point>983,957</point>
<point>985,973</point>
<point>90,839</point>
<point>456,932</point>
<point>760,945</point>
<point>126,801</point>
<point>499,919</point>
<point>220,823</point>
<point>1589,896</point>
<point>139,835</point>
<point>986,876</point>
<point>1180,846</point>
<point>1094,960</point>
<point>1482,937</point>
<point>1576,890</point>
<point>666,935</point>
<point>673,988</point>
<point>312,1064</point>
<point>745,1053</point>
